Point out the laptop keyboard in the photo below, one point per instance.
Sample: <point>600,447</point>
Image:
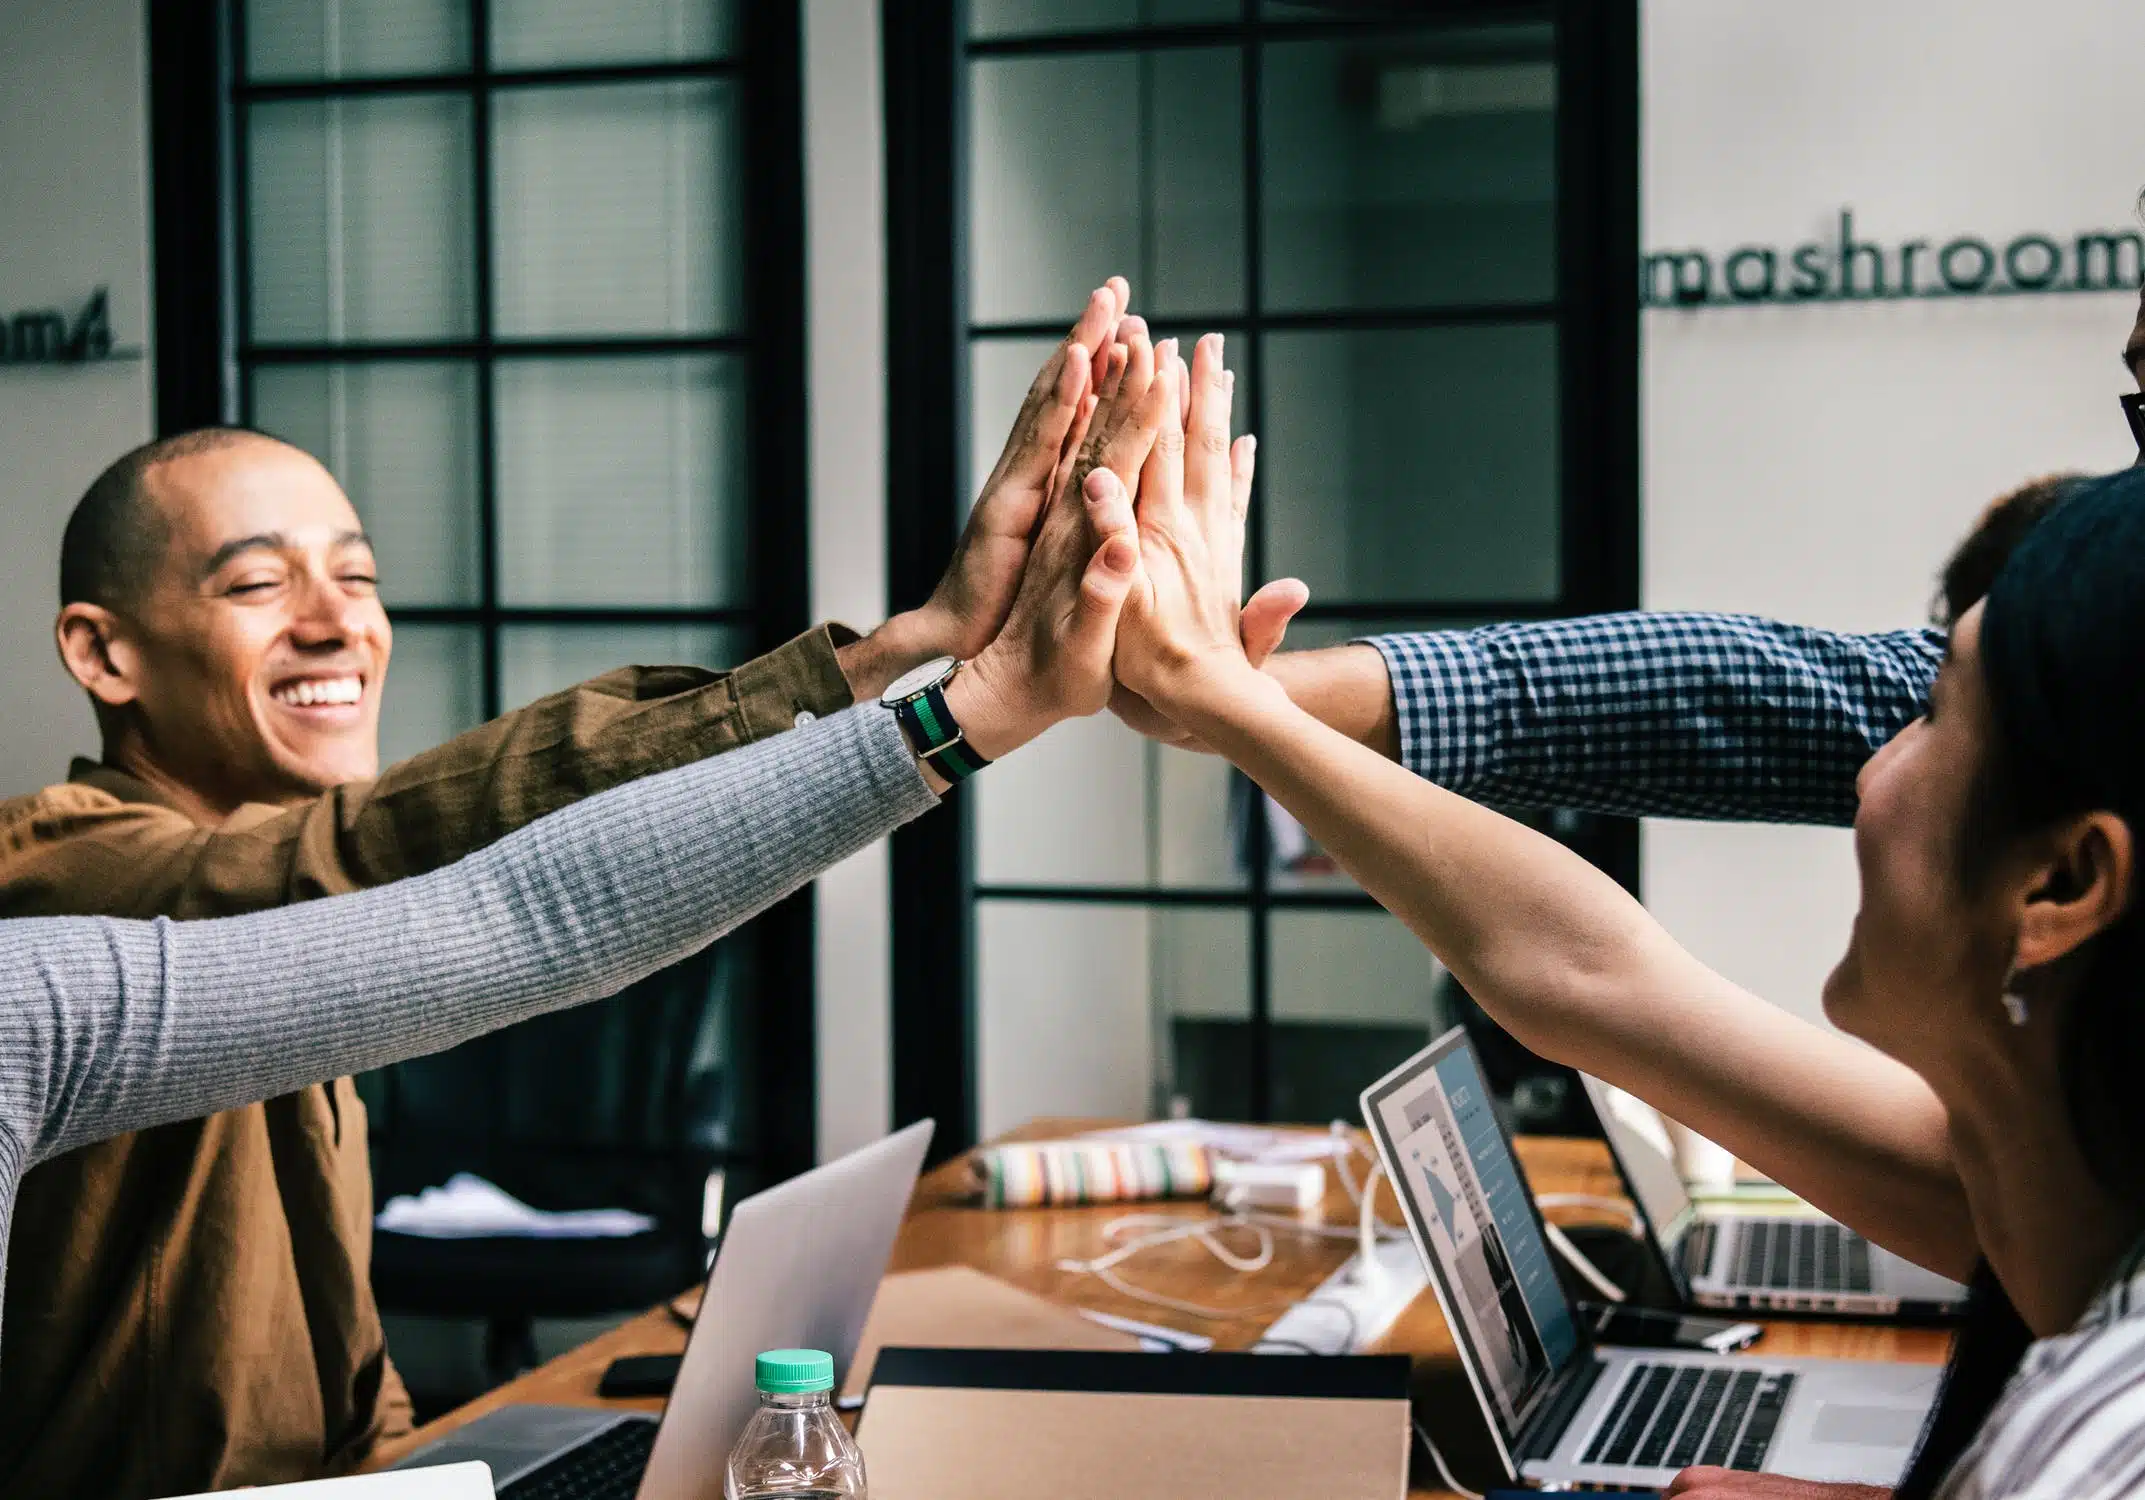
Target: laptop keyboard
<point>1788,1255</point>
<point>1673,1416</point>
<point>606,1467</point>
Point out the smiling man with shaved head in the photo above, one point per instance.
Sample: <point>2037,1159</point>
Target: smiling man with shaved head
<point>219,602</point>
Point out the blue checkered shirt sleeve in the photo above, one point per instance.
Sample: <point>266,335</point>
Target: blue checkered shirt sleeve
<point>1662,715</point>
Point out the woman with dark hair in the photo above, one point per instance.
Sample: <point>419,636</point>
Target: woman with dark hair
<point>1995,966</point>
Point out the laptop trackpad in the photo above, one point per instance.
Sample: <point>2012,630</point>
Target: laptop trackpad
<point>1867,1426</point>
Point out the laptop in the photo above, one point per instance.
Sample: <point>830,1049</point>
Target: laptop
<point>1804,1263</point>
<point>799,1266</point>
<point>1562,1410</point>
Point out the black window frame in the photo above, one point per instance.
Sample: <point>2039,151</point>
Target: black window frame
<point>205,354</point>
<point>1595,309</point>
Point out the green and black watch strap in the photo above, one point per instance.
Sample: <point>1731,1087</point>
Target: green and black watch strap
<point>931,728</point>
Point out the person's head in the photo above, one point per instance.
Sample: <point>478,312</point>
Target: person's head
<point>2134,346</point>
<point>1997,842</point>
<point>218,602</point>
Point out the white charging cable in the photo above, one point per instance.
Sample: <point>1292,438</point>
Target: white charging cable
<point>1573,1255</point>
<point>1422,1433</point>
<point>1149,1230</point>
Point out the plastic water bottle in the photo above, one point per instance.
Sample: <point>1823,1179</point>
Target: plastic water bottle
<point>795,1447</point>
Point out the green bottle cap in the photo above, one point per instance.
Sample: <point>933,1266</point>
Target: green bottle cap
<point>793,1372</point>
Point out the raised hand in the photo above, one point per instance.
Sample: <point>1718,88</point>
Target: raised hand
<point>1183,617</point>
<point>1051,660</point>
<point>973,597</point>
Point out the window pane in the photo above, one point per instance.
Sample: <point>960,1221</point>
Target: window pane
<point>622,481</point>
<point>1065,1023</point>
<point>616,209</point>
<point>1353,994</point>
<point>574,33</point>
<point>1086,166</point>
<point>1413,465</point>
<point>1402,173</point>
<point>358,216</point>
<point>402,439</point>
<point>1091,803</point>
<point>435,688</point>
<point>538,659</point>
<point>309,39</point>
<point>998,18</point>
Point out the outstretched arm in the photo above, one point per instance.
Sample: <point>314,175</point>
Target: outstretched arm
<point>109,1026</point>
<point>1554,949</point>
<point>1688,715</point>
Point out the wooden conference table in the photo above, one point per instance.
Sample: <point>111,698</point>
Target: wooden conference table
<point>1024,1247</point>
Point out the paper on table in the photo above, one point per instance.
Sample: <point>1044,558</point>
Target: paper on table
<point>468,1207</point>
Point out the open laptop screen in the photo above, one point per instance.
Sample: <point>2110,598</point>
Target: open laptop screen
<point>1471,1210</point>
<point>1638,1139</point>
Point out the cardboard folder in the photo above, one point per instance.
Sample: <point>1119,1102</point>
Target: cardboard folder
<point>979,1424</point>
<point>956,1307</point>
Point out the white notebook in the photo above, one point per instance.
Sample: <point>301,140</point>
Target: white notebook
<point>449,1482</point>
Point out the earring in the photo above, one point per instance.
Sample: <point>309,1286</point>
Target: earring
<point>2014,1006</point>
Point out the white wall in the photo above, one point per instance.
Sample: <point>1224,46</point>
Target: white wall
<point>1817,462</point>
<point>74,174</point>
<point>845,229</point>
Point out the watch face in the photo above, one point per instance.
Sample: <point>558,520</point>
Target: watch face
<point>909,684</point>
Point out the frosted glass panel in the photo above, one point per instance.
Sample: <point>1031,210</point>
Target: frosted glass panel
<point>1352,966</point>
<point>567,33</point>
<point>1407,174</point>
<point>538,659</point>
<point>435,688</point>
<point>622,481</point>
<point>1075,1003</point>
<point>1416,464</point>
<point>997,18</point>
<point>616,209</point>
<point>1089,165</point>
<point>1091,803</point>
<point>359,219</point>
<point>402,439</point>
<point>1353,995</point>
<point>311,39</point>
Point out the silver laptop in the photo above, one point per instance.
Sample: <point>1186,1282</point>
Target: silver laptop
<point>1564,1411</point>
<point>1751,1262</point>
<point>799,1266</point>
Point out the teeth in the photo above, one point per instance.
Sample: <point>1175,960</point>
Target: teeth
<point>320,690</point>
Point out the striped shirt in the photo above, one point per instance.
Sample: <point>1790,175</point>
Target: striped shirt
<point>2071,1423</point>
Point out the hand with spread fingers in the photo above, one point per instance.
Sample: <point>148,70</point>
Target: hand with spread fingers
<point>977,590</point>
<point>1051,659</point>
<point>1183,625</point>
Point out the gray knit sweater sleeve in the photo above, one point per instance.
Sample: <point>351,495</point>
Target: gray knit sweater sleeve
<point>109,1026</point>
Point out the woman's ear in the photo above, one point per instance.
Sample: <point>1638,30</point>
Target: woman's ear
<point>2082,887</point>
<point>96,651</point>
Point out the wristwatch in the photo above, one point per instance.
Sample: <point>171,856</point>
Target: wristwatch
<point>918,700</point>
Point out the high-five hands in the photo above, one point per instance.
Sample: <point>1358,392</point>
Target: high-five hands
<point>1051,659</point>
<point>1183,630</point>
<point>1154,422</point>
<point>973,597</point>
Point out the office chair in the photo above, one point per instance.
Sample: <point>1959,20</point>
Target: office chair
<point>628,1103</point>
